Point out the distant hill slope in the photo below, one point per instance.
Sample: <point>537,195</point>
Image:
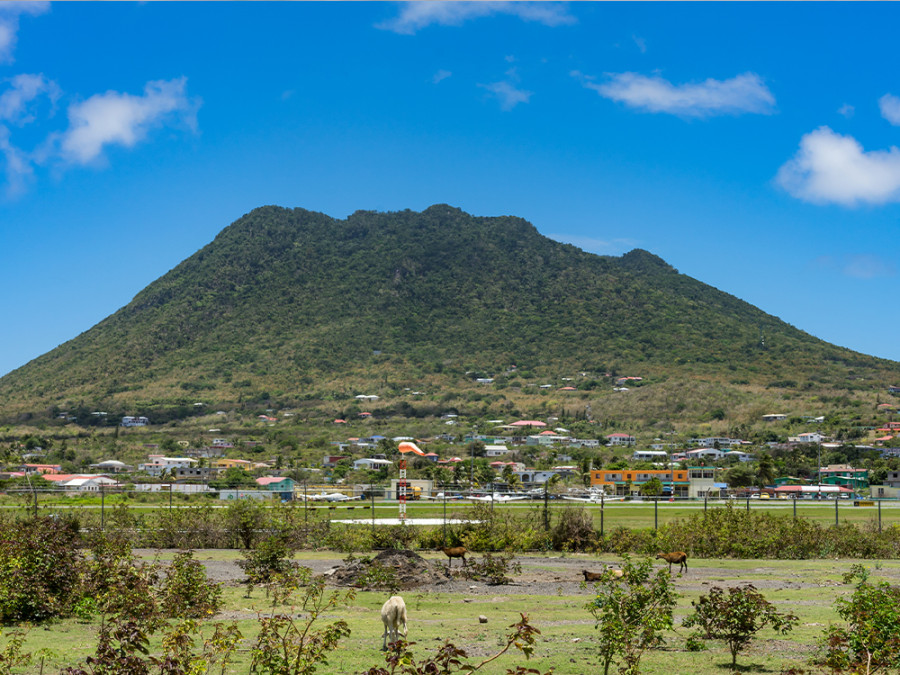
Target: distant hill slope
<point>283,298</point>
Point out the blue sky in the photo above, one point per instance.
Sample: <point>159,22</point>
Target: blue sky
<point>752,146</point>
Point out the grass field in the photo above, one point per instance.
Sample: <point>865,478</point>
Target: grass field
<point>617,514</point>
<point>805,588</point>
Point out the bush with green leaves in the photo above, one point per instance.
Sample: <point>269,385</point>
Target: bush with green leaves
<point>449,659</point>
<point>631,611</point>
<point>494,569</point>
<point>292,643</point>
<point>245,519</point>
<point>870,642</point>
<point>269,556</point>
<point>574,530</point>
<point>185,591</point>
<point>40,569</point>
<point>736,616</point>
<point>124,649</point>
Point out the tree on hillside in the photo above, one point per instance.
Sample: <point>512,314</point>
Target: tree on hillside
<point>476,449</point>
<point>740,476</point>
<point>765,470</point>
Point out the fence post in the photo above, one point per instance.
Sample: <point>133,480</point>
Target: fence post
<point>373,511</point>
<point>704,502</point>
<point>102,508</point>
<point>836,500</point>
<point>602,500</point>
<point>795,506</point>
<point>748,503</point>
<point>546,511</point>
<point>445,516</point>
<point>879,516</point>
<point>656,513</point>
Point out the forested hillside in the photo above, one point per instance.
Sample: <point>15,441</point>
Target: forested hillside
<point>290,304</point>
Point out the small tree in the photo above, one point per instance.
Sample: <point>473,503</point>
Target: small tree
<point>632,611</point>
<point>736,616</point>
<point>293,643</point>
<point>450,659</point>
<point>652,488</point>
<point>871,641</point>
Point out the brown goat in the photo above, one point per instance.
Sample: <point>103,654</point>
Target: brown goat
<point>455,552</point>
<point>598,576</point>
<point>679,557</point>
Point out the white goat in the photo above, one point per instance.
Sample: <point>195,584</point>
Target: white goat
<point>393,615</point>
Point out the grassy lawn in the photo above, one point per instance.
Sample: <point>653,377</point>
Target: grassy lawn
<point>806,588</point>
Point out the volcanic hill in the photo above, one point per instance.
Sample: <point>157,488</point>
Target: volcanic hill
<point>288,305</point>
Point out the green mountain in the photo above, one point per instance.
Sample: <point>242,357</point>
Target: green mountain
<point>289,304</point>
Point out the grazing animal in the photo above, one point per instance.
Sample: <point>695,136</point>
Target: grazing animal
<point>393,615</point>
<point>455,552</point>
<point>679,557</point>
<point>598,576</point>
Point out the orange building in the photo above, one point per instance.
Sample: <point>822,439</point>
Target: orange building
<point>628,481</point>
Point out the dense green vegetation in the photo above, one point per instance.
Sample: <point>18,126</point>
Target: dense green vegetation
<point>288,307</point>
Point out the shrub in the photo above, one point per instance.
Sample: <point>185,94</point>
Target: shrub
<point>268,557</point>
<point>736,616</point>
<point>632,611</point>
<point>871,640</point>
<point>449,659</point>
<point>574,530</point>
<point>40,569</point>
<point>290,645</point>
<point>494,569</point>
<point>244,519</point>
<point>121,587</point>
<point>185,592</point>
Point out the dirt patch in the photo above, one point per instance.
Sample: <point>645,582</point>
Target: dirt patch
<point>409,569</point>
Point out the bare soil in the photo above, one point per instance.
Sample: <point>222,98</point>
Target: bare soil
<point>552,574</point>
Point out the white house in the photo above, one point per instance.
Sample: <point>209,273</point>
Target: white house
<point>495,450</point>
<point>808,437</point>
<point>712,441</point>
<point>87,483</point>
<point>650,456</point>
<point>705,453</point>
<point>374,464</point>
<point>742,456</point>
<point>158,464</point>
<point>774,417</point>
<point>131,421</point>
<point>620,439</point>
<point>111,465</point>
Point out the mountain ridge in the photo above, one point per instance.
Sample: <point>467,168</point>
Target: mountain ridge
<point>282,297</point>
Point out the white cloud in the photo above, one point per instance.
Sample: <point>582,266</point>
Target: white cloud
<point>23,90</point>
<point>441,75</point>
<point>417,15</point>
<point>9,24</point>
<point>846,110</point>
<point>641,43</point>
<point>744,93</point>
<point>868,267</point>
<point>508,94</point>
<point>830,168</point>
<point>890,108</point>
<point>856,265</point>
<point>17,165</point>
<point>115,118</point>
